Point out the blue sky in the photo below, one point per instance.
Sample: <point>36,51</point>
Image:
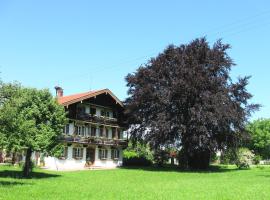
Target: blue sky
<point>83,45</point>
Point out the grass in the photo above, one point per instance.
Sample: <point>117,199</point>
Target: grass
<point>134,183</point>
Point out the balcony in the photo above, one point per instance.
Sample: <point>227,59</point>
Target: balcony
<point>94,140</point>
<point>97,119</point>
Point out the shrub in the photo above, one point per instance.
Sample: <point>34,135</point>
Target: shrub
<point>130,154</point>
<point>228,156</point>
<point>214,158</point>
<point>137,155</point>
<point>161,156</point>
<point>132,158</point>
<point>257,159</point>
<point>136,161</point>
<point>244,158</point>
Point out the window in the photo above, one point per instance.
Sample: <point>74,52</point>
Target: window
<point>81,130</point>
<point>93,131</point>
<point>115,154</point>
<point>120,134</point>
<point>107,114</point>
<point>114,133</point>
<point>101,130</point>
<point>103,113</point>
<point>77,153</point>
<point>93,111</point>
<point>114,114</point>
<point>66,129</point>
<point>107,132</point>
<point>64,153</point>
<point>81,109</point>
<point>103,153</point>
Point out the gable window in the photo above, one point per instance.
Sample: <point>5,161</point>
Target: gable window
<point>115,154</point>
<point>102,113</point>
<point>93,111</point>
<point>81,109</point>
<point>77,153</point>
<point>114,114</point>
<point>103,154</point>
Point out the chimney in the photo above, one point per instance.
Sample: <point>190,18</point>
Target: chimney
<point>59,91</point>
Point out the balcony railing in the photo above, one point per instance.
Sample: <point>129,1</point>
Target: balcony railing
<point>97,119</point>
<point>94,140</point>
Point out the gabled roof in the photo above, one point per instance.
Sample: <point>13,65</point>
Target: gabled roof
<point>67,100</point>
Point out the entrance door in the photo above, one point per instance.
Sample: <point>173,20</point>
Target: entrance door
<point>90,155</point>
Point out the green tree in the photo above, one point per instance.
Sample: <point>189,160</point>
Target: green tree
<point>10,144</point>
<point>260,137</point>
<point>30,119</point>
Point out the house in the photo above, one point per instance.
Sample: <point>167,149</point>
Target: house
<point>94,135</point>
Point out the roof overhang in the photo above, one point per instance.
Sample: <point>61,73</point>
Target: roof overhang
<point>91,95</point>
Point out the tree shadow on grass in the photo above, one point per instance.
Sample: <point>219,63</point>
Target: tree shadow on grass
<point>18,175</point>
<point>12,183</point>
<point>168,168</point>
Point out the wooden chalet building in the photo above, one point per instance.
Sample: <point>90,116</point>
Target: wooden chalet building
<point>94,135</point>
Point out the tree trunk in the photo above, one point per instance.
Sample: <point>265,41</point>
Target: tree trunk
<point>199,160</point>
<point>27,165</point>
<point>172,160</point>
<point>13,161</point>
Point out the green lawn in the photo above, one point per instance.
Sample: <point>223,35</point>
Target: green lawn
<point>147,183</point>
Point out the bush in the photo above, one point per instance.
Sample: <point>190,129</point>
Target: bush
<point>257,159</point>
<point>214,158</point>
<point>130,154</point>
<point>244,158</point>
<point>137,155</point>
<point>228,156</point>
<point>136,161</point>
<point>161,156</point>
<point>132,158</point>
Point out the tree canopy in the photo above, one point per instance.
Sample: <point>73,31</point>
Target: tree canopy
<point>260,137</point>
<point>185,98</point>
<point>30,119</point>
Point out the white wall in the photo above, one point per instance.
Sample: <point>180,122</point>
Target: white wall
<point>109,162</point>
<point>70,163</point>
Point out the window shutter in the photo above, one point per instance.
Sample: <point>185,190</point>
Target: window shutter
<point>66,152</point>
<point>116,133</point>
<point>81,152</point>
<point>89,130</point>
<point>67,129</point>
<point>112,153</point>
<point>99,153</point>
<point>113,132</point>
<point>107,132</point>
<point>83,131</point>
<point>106,153</point>
<point>76,130</point>
<point>119,134</point>
<point>73,153</point>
